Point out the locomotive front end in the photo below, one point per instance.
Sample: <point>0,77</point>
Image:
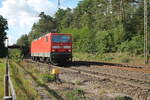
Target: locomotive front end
<point>61,48</point>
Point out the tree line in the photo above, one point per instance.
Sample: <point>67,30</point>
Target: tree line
<point>97,26</point>
<point>3,37</point>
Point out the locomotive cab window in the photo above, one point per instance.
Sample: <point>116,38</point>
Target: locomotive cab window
<point>61,38</point>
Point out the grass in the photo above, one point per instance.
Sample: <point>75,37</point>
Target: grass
<point>2,72</point>
<point>76,94</point>
<point>125,60</point>
<point>22,85</point>
<point>48,78</point>
<point>119,98</point>
<point>37,77</point>
<point>110,57</point>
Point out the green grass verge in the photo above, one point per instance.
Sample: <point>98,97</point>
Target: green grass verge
<point>22,84</point>
<point>110,57</point>
<point>2,72</point>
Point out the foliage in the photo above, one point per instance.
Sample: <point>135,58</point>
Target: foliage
<point>71,96</point>
<point>75,94</point>
<point>98,26</point>
<point>24,42</point>
<point>22,86</point>
<point>82,39</point>
<point>3,28</point>
<point>48,77</point>
<point>15,55</point>
<point>2,71</point>
<point>108,26</point>
<point>119,98</point>
<point>125,60</point>
<point>45,25</point>
<point>79,91</point>
<point>110,57</point>
<point>135,46</point>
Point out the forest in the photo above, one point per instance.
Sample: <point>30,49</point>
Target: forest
<point>97,26</point>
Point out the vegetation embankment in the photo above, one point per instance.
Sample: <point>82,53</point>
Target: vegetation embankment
<point>110,57</point>
<point>22,83</point>
<point>2,73</point>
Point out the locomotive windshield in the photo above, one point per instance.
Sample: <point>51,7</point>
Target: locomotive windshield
<point>61,38</point>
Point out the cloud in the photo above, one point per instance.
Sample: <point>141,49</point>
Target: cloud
<point>40,5</point>
<point>12,39</point>
<point>21,14</point>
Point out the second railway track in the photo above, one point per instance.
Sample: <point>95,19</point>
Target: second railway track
<point>141,83</point>
<point>123,82</point>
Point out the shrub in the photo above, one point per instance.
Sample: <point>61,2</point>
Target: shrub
<point>15,55</point>
<point>134,46</point>
<point>119,98</point>
<point>79,91</point>
<point>48,77</point>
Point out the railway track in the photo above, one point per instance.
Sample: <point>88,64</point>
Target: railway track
<point>84,70</point>
<point>143,84</point>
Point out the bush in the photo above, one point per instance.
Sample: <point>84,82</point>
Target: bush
<point>135,46</point>
<point>48,77</point>
<point>79,91</point>
<point>119,98</point>
<point>15,55</point>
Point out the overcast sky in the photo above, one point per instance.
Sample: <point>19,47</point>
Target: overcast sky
<point>21,14</point>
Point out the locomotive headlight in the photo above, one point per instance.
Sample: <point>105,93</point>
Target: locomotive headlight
<point>55,47</point>
<point>69,50</point>
<point>67,47</point>
<point>53,50</point>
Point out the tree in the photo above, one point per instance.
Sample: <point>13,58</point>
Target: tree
<point>98,25</point>
<point>3,28</point>
<point>24,42</point>
<point>63,18</point>
<point>45,25</point>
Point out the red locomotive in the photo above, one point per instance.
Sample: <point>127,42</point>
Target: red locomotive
<point>52,47</point>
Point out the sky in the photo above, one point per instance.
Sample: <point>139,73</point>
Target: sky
<point>22,14</point>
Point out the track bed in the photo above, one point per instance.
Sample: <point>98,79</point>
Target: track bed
<point>100,82</point>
